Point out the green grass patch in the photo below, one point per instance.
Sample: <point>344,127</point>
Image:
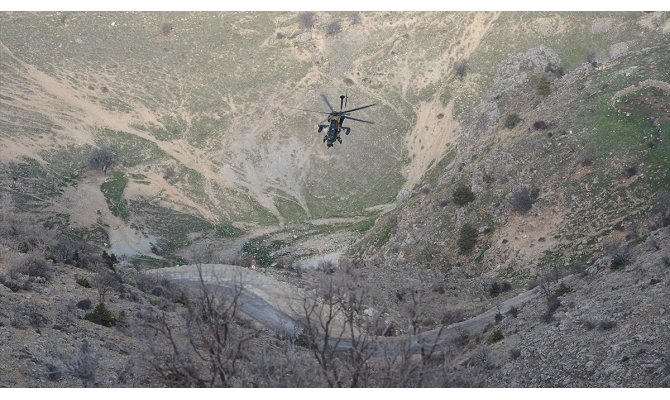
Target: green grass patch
<point>173,227</point>
<point>364,226</point>
<point>262,250</point>
<point>226,229</point>
<point>113,189</point>
<point>172,128</point>
<point>289,208</point>
<point>130,149</point>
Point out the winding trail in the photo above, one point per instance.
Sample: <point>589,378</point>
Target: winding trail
<point>276,305</point>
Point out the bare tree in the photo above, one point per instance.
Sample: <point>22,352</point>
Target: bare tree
<point>102,158</point>
<point>104,281</point>
<point>206,349</point>
<point>83,364</point>
<point>323,332</point>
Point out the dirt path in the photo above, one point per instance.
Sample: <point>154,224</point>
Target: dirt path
<point>634,88</point>
<point>278,305</point>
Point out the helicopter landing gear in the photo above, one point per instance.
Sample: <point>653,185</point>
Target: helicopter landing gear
<point>325,138</point>
<point>339,139</point>
<point>321,128</point>
<point>346,130</point>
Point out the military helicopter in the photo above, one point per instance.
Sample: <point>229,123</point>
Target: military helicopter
<point>336,119</point>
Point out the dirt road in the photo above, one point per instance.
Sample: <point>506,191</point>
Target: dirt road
<point>277,306</point>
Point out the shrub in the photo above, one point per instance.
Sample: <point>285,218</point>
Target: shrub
<point>497,288</point>
<point>54,373</point>
<point>102,158</point>
<point>498,317</point>
<point>543,86</point>
<point>110,259</point>
<point>621,255</point>
<point>355,19</point>
<point>83,282</point>
<point>555,69</point>
<point>552,305</point>
<point>514,312</point>
<point>629,171</point>
<point>666,260</point>
<point>166,28</point>
<point>579,269</point>
<point>12,284</point>
<point>523,199</point>
<point>512,120</point>
<point>461,67</point>
<point>494,290</point>
<point>540,125</point>
<point>334,28</point>
<point>589,325</point>
<point>606,325</point>
<point>101,316</point>
<point>306,19</point>
<point>85,304</point>
<point>591,57</point>
<point>467,238</point>
<point>463,195</point>
<point>562,289</point>
<point>515,353</point>
<point>586,158</point>
<point>32,266</point>
<point>462,338</point>
<point>496,336</point>
<point>169,172</point>
<point>453,316</point>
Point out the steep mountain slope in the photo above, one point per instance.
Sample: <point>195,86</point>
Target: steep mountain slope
<point>580,169</point>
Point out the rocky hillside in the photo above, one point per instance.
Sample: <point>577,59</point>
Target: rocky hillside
<point>552,167</point>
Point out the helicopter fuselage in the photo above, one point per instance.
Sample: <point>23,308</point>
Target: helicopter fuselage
<point>334,128</point>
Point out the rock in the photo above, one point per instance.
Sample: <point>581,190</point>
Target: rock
<point>402,196</point>
<point>545,26</point>
<point>303,37</point>
<point>589,366</point>
<point>515,71</point>
<point>601,25</point>
<point>648,367</point>
<point>478,120</point>
<point>618,49</point>
<point>483,230</point>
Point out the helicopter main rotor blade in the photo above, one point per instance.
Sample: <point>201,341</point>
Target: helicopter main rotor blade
<point>325,99</point>
<point>359,120</point>
<point>304,109</point>
<point>358,108</point>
